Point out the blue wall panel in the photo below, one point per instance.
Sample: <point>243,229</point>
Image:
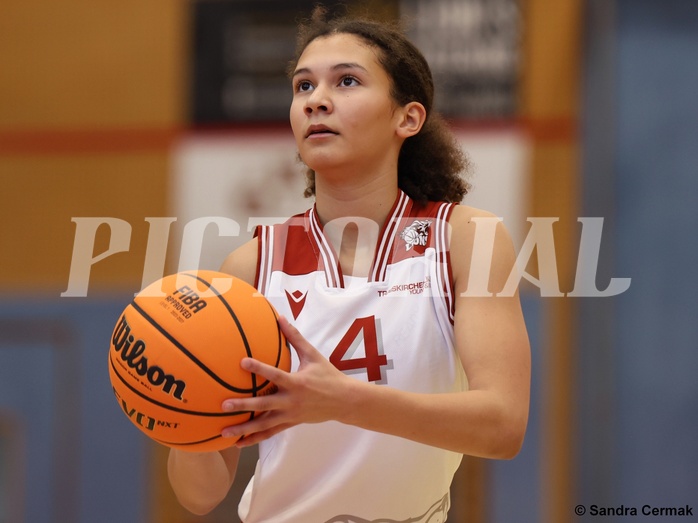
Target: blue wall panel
<point>84,462</point>
<point>657,192</point>
<point>26,384</point>
<point>515,494</point>
<point>640,420</point>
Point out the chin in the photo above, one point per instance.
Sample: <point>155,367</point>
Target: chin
<point>321,163</point>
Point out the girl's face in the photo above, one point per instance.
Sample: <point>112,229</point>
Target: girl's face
<point>342,114</point>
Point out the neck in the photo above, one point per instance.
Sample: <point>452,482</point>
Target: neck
<point>336,203</point>
<point>370,198</point>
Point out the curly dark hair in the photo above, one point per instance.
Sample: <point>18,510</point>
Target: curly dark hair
<point>431,163</point>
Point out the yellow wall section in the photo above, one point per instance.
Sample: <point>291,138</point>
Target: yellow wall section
<point>47,192</point>
<point>90,98</point>
<point>551,59</point>
<point>550,106</point>
<point>78,63</point>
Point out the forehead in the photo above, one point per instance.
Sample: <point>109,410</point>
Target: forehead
<point>338,48</point>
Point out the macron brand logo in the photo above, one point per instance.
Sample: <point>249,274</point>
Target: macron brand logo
<point>296,300</point>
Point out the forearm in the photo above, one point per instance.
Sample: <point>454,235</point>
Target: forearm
<point>477,422</point>
<point>489,420</point>
<point>201,480</point>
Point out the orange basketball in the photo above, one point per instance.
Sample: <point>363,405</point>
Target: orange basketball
<point>175,356</point>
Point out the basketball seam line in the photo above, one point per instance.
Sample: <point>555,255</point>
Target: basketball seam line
<point>186,443</point>
<point>170,407</point>
<point>196,360</point>
<point>237,323</point>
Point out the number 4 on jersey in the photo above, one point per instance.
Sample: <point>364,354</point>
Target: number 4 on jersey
<point>362,331</point>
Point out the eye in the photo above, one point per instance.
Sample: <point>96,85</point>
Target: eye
<point>348,81</point>
<point>303,86</point>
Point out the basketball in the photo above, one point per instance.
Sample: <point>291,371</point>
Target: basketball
<point>175,356</point>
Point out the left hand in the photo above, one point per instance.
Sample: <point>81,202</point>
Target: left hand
<point>316,392</point>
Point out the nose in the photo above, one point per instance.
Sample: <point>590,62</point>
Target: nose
<point>318,101</point>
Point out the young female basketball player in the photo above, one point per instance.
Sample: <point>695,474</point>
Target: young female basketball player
<point>398,369</point>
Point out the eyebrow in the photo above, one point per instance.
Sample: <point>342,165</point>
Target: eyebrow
<point>336,67</point>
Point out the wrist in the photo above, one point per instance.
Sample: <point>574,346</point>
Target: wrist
<point>351,401</point>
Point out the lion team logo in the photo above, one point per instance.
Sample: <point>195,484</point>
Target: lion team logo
<point>416,235</point>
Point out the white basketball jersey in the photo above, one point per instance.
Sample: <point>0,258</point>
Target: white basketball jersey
<point>393,328</point>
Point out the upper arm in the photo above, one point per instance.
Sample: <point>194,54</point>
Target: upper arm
<point>490,333</point>
<point>242,262</point>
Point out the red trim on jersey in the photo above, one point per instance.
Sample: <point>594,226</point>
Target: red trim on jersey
<point>259,231</point>
<point>327,259</point>
<point>385,247</point>
<point>444,257</point>
<point>277,245</point>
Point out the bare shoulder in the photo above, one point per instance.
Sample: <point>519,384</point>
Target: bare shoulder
<point>466,220</point>
<point>465,214</point>
<point>242,262</point>
<point>480,239</point>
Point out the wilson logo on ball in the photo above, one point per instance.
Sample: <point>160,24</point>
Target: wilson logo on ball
<point>132,353</point>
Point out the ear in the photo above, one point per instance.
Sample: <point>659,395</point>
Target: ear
<point>413,116</point>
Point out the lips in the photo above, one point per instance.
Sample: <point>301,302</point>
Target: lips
<point>319,130</point>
